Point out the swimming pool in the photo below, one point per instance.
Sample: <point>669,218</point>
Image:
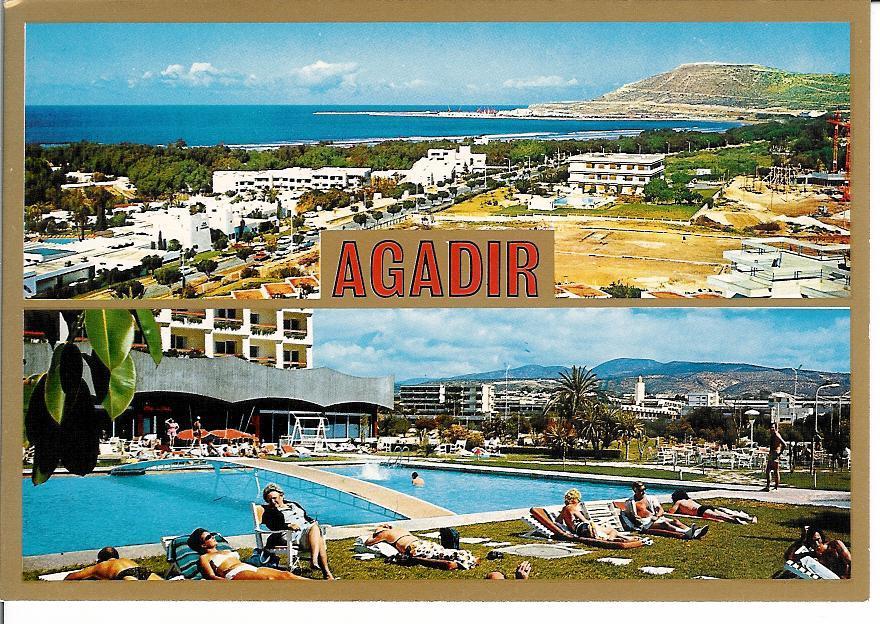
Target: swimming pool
<point>83,513</point>
<point>472,492</point>
<point>48,251</point>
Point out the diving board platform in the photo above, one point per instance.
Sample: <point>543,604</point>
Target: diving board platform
<point>396,502</point>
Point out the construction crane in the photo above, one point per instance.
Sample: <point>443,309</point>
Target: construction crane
<point>842,133</point>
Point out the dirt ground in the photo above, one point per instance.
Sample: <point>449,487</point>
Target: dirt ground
<point>743,206</point>
<point>643,254</point>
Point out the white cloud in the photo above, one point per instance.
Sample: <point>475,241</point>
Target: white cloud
<point>539,82</point>
<point>441,342</point>
<point>323,75</point>
<point>198,75</point>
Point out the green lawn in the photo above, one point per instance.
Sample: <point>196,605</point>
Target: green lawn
<point>825,480</point>
<point>728,551</point>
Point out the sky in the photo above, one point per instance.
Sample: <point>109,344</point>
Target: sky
<point>409,343</point>
<point>396,63</point>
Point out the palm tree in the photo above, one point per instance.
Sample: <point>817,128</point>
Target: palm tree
<point>73,202</point>
<point>573,393</point>
<point>589,425</point>
<point>560,436</point>
<point>628,427</point>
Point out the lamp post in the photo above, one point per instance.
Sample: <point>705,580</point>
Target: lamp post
<point>752,415</point>
<point>816,428</point>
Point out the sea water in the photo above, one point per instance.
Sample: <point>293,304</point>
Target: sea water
<point>266,125</point>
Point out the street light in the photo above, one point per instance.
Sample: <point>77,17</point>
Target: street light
<point>752,415</point>
<point>816,427</point>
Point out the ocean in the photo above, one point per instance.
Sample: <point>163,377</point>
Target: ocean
<point>266,125</point>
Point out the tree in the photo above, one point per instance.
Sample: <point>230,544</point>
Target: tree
<point>60,417</point>
<point>174,245</point>
<point>619,290</point>
<point>248,272</point>
<point>167,276</point>
<point>151,263</point>
<point>628,428</point>
<point>560,436</point>
<point>73,202</point>
<point>132,289</point>
<point>657,190</point>
<point>573,392</point>
<point>206,266</point>
<point>101,201</point>
<point>360,218</point>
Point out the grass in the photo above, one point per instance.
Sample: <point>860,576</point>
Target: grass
<point>838,480</point>
<point>728,551</point>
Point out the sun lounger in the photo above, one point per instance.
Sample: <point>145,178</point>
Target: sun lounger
<point>554,530</point>
<point>183,559</point>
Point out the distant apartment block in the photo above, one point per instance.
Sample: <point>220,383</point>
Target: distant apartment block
<point>292,178</point>
<point>277,338</point>
<point>192,231</point>
<point>461,400</point>
<point>785,267</point>
<point>703,399</point>
<point>625,174</point>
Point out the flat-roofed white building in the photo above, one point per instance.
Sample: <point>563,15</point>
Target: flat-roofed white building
<point>780,267</point>
<point>292,178</point>
<point>458,399</point>
<point>784,408</point>
<point>440,165</point>
<point>191,230</point>
<point>625,174</point>
<point>709,398</point>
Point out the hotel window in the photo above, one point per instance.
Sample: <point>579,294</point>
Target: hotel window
<point>291,356</point>
<point>178,342</point>
<point>226,313</point>
<point>255,319</point>
<point>224,347</point>
<point>255,352</point>
<point>291,324</point>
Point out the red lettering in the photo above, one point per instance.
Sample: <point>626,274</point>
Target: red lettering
<point>348,273</point>
<point>475,264</point>
<point>377,264</point>
<point>426,273</point>
<point>527,269</point>
<point>493,279</point>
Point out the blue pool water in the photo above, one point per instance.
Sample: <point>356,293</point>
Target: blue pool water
<point>47,251</point>
<point>468,492</point>
<point>83,513</point>
<point>61,241</point>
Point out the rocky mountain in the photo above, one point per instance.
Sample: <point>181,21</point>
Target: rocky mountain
<point>713,90</point>
<point>729,379</point>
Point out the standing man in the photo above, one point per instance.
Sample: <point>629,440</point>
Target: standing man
<point>197,431</point>
<point>777,447</point>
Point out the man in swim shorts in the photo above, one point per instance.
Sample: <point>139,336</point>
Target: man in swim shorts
<point>647,513</point>
<point>777,447</point>
<point>682,504</point>
<point>110,566</point>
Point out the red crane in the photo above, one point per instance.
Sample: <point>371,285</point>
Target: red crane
<point>842,131</point>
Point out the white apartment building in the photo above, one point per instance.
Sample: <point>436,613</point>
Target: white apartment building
<point>292,178</point>
<point>780,267</point>
<point>784,409</point>
<point>277,338</point>
<point>461,400</point>
<point>703,399</point>
<point>191,230</point>
<point>619,173</point>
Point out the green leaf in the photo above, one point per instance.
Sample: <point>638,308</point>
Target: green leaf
<point>63,376</point>
<point>44,433</point>
<point>81,432</point>
<point>121,391</point>
<point>100,375</point>
<point>28,388</point>
<point>111,333</point>
<point>150,329</point>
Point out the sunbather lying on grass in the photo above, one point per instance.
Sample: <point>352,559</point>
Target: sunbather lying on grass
<point>647,515</point>
<point>408,544</point>
<point>682,504</point>
<point>111,567</point>
<point>522,573</point>
<point>227,564</point>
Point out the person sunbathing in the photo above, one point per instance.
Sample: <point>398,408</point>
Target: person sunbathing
<point>227,564</point>
<point>646,513</point>
<point>408,544</point>
<point>522,572</point>
<point>290,517</point>
<point>682,504</point>
<point>573,518</point>
<point>111,567</point>
<point>833,554</point>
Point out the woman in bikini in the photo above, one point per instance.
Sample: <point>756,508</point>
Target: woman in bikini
<point>408,544</point>
<point>683,505</point>
<point>573,518</point>
<point>226,564</point>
